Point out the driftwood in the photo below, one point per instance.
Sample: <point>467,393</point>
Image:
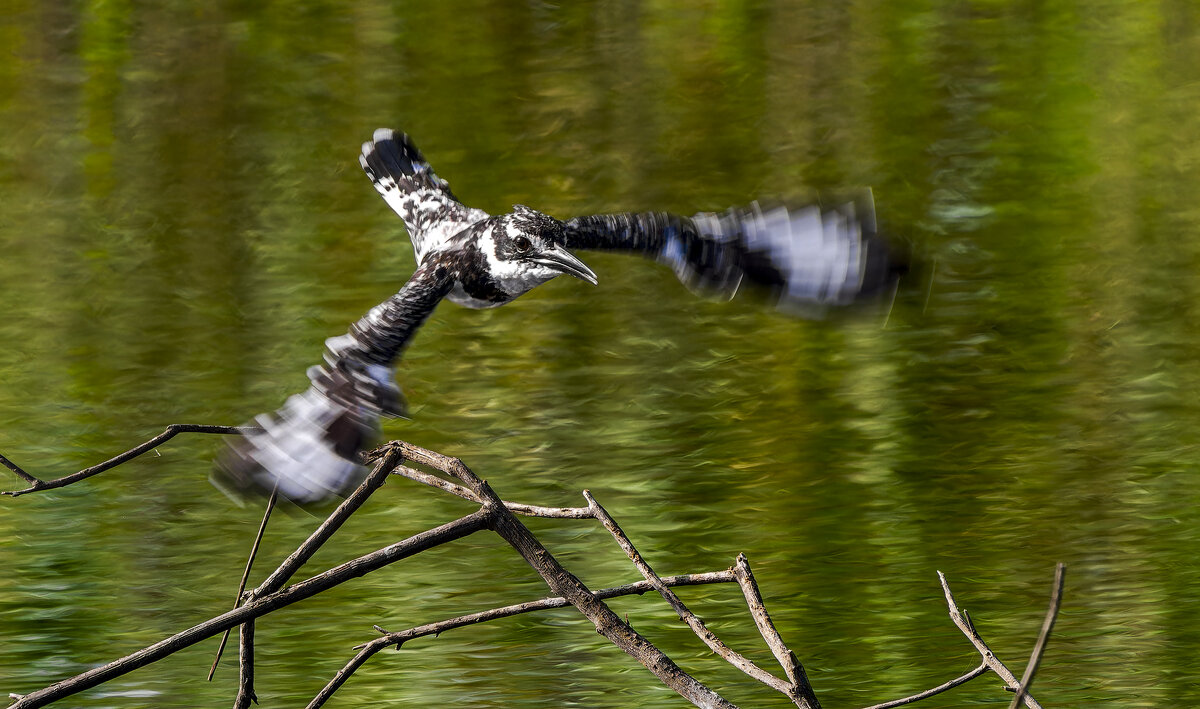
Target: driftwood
<point>500,517</point>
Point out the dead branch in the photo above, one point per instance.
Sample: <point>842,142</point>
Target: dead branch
<point>245,694</point>
<point>397,639</point>
<point>237,599</point>
<point>308,588</point>
<point>37,484</point>
<point>1039,647</point>
<point>758,610</point>
<point>982,668</point>
<point>499,516</point>
<point>565,584</point>
<point>516,507</point>
<point>800,696</point>
<point>963,621</point>
<point>325,530</point>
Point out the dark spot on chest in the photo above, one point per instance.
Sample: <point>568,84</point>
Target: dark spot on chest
<point>470,268</point>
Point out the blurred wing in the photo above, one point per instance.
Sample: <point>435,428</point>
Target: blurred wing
<point>410,187</point>
<point>311,446</point>
<point>811,256</point>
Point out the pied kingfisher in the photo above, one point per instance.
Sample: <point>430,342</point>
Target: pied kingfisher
<point>814,256</point>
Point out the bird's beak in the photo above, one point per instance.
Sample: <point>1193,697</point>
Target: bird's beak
<point>560,259</point>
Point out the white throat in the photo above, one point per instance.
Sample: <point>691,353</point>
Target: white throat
<point>514,276</point>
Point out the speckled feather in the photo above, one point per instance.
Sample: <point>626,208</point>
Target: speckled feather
<point>311,446</point>
<point>411,188</point>
<point>806,258</point>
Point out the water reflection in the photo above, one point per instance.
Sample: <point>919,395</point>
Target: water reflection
<point>184,224</point>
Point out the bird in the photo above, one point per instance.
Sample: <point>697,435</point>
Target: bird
<point>817,256</point>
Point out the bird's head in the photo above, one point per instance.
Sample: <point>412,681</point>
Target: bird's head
<point>528,249</point>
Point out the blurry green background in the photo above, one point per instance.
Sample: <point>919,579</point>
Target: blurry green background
<point>183,222</point>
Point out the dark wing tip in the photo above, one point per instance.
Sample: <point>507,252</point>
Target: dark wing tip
<point>888,259</point>
<point>803,259</point>
<point>393,153</point>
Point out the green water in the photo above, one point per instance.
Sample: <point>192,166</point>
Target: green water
<point>183,222</point>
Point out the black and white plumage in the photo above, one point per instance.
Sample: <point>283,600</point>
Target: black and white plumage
<point>805,259</point>
<point>809,257</point>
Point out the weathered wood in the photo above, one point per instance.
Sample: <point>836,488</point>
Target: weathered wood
<point>245,693</point>
<point>565,584</point>
<point>707,636</point>
<point>801,692</point>
<point>369,649</point>
<point>500,516</point>
<point>964,624</point>
<point>962,679</point>
<point>1039,647</point>
<point>416,544</point>
<point>237,599</point>
<point>38,485</point>
<point>374,480</point>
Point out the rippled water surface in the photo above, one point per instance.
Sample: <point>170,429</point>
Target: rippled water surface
<point>183,222</point>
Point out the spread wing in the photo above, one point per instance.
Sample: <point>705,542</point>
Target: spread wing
<point>410,187</point>
<point>806,257</point>
<point>310,446</point>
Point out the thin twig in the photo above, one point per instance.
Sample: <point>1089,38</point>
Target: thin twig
<point>989,658</point>
<point>1060,571</point>
<point>521,509</point>
<point>367,650</point>
<point>245,693</point>
<point>766,628</point>
<point>707,636</point>
<point>246,572</point>
<point>415,544</point>
<point>983,667</point>
<point>498,515</point>
<point>21,473</point>
<point>434,481</point>
<point>374,480</point>
<point>37,484</point>
<point>565,584</point>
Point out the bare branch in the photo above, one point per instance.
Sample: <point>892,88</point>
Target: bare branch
<point>416,544</point>
<point>526,510</point>
<point>565,584</point>
<point>1060,571</point>
<point>983,667</point>
<point>499,516</point>
<point>245,694</point>
<point>707,636</point>
<point>387,460</point>
<point>989,658</point>
<point>766,628</point>
<point>434,481</point>
<point>758,610</point>
<point>367,650</point>
<point>237,599</point>
<point>552,512</point>
<point>37,484</point>
<point>20,473</point>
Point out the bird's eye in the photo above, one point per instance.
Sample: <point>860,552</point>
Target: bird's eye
<point>523,244</point>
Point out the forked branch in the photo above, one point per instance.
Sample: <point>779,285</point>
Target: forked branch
<point>499,516</point>
<point>397,639</point>
<point>801,696</point>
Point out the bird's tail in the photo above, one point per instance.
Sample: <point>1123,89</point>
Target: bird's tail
<point>393,162</point>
